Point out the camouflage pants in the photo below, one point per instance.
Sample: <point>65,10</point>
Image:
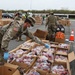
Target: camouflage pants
<point>51,35</point>
<point>1,52</point>
<point>0,40</point>
<point>51,32</point>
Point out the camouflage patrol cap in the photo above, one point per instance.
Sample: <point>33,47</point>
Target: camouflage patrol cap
<point>18,14</point>
<point>31,20</point>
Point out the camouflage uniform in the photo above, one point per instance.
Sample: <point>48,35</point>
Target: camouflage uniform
<point>51,23</point>
<point>20,20</point>
<point>14,30</point>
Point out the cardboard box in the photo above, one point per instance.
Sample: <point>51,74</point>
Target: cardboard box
<point>38,20</point>
<point>60,40</point>
<point>0,14</point>
<point>9,69</point>
<point>67,47</point>
<point>24,65</point>
<point>65,54</point>
<point>71,58</point>
<point>1,70</point>
<point>64,22</point>
<point>41,72</point>
<point>66,64</point>
<point>40,34</point>
<point>5,21</point>
<point>16,73</point>
<point>1,22</point>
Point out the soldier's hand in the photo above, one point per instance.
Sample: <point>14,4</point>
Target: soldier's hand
<point>6,55</point>
<point>47,45</point>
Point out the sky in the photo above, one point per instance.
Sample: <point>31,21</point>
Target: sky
<point>37,4</point>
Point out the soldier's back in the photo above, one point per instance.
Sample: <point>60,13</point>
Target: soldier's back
<point>52,19</point>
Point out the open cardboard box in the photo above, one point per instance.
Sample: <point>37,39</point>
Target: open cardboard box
<point>66,66</point>
<point>9,69</point>
<point>16,50</point>
<point>42,72</point>
<point>71,57</point>
<point>24,65</point>
<point>28,45</point>
<point>61,60</point>
<point>40,34</point>
<point>62,52</point>
<point>60,40</point>
<point>67,47</point>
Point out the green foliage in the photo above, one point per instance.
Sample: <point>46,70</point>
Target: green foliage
<point>42,11</point>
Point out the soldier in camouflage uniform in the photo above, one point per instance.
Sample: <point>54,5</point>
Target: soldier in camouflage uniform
<point>18,16</point>
<point>14,30</point>
<point>51,22</point>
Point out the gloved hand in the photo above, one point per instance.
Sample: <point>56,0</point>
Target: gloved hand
<point>47,45</point>
<point>6,55</point>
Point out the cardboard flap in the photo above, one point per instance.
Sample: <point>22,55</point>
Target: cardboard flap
<point>71,56</point>
<point>11,65</point>
<point>16,73</point>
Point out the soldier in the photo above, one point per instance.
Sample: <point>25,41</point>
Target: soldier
<point>51,22</point>
<point>14,30</point>
<point>18,17</point>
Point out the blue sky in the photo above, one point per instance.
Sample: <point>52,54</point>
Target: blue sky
<point>37,4</point>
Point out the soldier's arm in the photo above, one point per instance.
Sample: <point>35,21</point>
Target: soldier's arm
<point>34,38</point>
<point>56,21</point>
<point>46,21</point>
<point>5,41</point>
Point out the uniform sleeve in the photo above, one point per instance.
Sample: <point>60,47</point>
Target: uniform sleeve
<point>56,21</point>
<point>9,34</point>
<point>34,38</point>
<point>47,21</point>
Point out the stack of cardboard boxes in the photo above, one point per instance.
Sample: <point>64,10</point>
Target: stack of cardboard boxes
<point>57,55</point>
<point>0,14</point>
<point>65,22</point>
<point>38,20</point>
<point>5,21</point>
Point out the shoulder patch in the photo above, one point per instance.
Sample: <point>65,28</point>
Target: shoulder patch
<point>15,29</point>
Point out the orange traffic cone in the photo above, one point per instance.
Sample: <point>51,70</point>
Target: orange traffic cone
<point>72,36</point>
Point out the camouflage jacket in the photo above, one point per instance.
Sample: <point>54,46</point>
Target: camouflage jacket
<point>51,19</point>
